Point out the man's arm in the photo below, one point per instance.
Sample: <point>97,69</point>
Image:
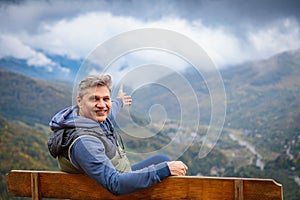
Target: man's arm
<point>88,153</point>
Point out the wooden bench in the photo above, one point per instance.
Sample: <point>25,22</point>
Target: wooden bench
<point>52,184</point>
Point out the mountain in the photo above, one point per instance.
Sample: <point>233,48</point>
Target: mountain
<point>29,100</point>
<point>261,134</point>
<point>260,138</point>
<point>269,90</point>
<point>263,99</point>
<point>26,107</point>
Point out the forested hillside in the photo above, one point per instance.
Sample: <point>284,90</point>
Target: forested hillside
<point>264,103</point>
<point>27,106</point>
<point>31,101</point>
<point>22,147</point>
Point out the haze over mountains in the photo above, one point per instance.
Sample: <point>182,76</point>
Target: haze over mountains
<point>263,109</point>
<point>22,67</point>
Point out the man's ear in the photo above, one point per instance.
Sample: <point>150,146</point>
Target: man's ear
<point>79,101</point>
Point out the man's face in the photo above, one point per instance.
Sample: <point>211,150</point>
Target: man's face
<point>95,104</point>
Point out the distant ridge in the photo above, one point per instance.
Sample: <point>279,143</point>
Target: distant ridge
<point>55,73</point>
<point>29,100</point>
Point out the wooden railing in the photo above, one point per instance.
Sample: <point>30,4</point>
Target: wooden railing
<point>53,184</point>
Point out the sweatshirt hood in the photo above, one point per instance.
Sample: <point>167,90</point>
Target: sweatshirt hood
<point>69,118</point>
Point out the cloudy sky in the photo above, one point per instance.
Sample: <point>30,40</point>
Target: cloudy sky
<point>230,31</point>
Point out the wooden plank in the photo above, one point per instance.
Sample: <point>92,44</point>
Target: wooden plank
<point>19,183</point>
<point>78,186</point>
<point>259,189</point>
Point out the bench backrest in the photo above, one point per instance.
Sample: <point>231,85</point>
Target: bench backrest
<point>49,184</point>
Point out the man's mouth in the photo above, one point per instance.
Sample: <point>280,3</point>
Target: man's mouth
<point>101,112</point>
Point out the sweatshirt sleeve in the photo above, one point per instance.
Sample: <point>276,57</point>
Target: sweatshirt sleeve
<point>88,153</point>
<point>117,104</point>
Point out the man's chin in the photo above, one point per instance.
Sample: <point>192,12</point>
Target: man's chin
<point>101,118</point>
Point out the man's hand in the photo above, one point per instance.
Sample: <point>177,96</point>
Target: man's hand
<point>177,168</point>
<point>127,100</point>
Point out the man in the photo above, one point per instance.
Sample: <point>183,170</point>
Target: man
<point>84,140</point>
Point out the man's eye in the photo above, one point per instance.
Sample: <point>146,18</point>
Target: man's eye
<point>93,99</point>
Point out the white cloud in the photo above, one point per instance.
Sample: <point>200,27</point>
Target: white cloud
<point>283,35</point>
<point>76,37</point>
<point>13,47</point>
<point>222,47</point>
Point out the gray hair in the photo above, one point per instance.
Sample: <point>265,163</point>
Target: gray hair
<point>92,81</point>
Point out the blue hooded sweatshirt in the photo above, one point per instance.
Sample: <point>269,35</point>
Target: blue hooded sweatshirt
<point>88,154</point>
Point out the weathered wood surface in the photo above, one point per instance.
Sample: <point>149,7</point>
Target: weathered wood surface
<point>49,184</point>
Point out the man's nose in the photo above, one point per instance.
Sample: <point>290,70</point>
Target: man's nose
<point>100,103</point>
